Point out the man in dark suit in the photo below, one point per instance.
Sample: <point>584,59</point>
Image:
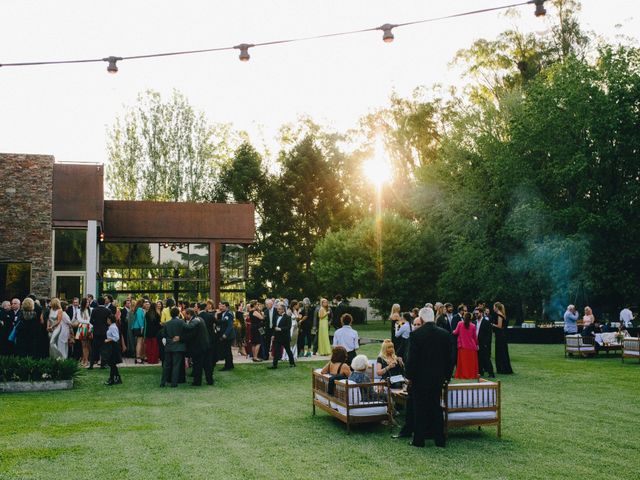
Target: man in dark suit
<point>207,314</point>
<point>98,319</point>
<point>174,349</point>
<point>282,337</point>
<point>428,368</point>
<point>484,333</point>
<point>109,304</point>
<point>269,313</point>
<point>227,334</point>
<point>196,337</point>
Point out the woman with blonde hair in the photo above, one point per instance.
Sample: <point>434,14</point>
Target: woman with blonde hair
<point>500,324</point>
<point>324,313</point>
<point>394,317</point>
<point>59,325</point>
<point>388,363</point>
<point>588,318</point>
<point>27,330</point>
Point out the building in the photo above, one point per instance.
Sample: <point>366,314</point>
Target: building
<point>59,237</point>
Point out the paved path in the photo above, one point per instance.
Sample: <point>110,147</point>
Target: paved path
<point>237,359</point>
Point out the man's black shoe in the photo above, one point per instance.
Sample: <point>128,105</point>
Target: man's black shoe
<point>212,382</point>
<point>118,381</point>
<point>441,444</point>
<point>109,383</point>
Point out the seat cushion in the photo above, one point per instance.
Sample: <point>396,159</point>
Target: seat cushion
<point>635,353</point>
<point>363,412</point>
<point>321,399</point>
<point>473,416</point>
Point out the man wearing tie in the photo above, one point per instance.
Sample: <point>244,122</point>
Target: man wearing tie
<point>282,337</point>
<point>484,333</point>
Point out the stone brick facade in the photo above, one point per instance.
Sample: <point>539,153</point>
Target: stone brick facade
<point>26,224</point>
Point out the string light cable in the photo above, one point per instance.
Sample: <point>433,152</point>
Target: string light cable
<point>387,37</point>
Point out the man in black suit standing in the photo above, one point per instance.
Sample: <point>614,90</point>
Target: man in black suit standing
<point>269,313</point>
<point>174,349</point>
<point>282,337</point>
<point>98,319</point>
<point>109,304</point>
<point>428,368</point>
<point>227,334</point>
<point>484,333</point>
<point>207,314</point>
<point>197,340</point>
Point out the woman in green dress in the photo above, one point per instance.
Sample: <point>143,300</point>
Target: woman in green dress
<point>324,316</point>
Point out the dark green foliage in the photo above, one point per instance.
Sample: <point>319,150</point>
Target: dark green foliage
<point>27,369</point>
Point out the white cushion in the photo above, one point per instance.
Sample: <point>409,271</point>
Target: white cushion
<point>485,415</point>
<point>322,399</point>
<point>363,412</point>
<point>584,348</point>
<point>632,352</point>
<point>354,393</point>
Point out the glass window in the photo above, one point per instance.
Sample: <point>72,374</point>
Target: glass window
<point>158,270</point>
<point>15,280</point>
<point>232,263</point>
<point>70,248</point>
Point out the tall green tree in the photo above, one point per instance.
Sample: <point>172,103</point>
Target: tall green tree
<point>164,150</point>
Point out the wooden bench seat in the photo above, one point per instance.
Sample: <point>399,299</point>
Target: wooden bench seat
<point>631,348</point>
<point>472,404</point>
<point>351,403</point>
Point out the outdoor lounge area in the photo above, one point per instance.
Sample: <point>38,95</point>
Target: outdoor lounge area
<point>263,421</point>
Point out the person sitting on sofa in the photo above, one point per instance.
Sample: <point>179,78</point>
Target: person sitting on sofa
<point>338,364</point>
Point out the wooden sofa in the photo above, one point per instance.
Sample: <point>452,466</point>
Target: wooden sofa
<point>631,348</point>
<point>472,404</point>
<point>577,344</point>
<point>352,403</point>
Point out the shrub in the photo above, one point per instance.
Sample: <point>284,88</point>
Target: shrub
<point>27,369</point>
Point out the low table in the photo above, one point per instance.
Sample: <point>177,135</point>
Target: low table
<point>612,347</point>
<point>399,396</point>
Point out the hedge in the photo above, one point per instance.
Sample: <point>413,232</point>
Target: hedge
<point>27,369</point>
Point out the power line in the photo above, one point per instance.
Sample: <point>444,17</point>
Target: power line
<point>244,56</point>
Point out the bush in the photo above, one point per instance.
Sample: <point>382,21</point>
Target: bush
<point>27,369</point>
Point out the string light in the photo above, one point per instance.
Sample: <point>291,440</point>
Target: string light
<point>387,35</point>
<point>540,10</point>
<point>244,56</point>
<point>112,67</point>
<point>244,51</point>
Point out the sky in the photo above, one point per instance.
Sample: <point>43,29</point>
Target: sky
<point>66,110</point>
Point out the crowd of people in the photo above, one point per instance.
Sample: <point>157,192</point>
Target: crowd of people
<point>592,325</point>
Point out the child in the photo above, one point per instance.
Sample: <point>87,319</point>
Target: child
<point>112,352</point>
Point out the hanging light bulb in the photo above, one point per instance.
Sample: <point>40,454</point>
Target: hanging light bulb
<point>112,67</point>
<point>244,51</point>
<point>540,10</point>
<point>387,34</point>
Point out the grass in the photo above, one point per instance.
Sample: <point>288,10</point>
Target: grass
<point>562,418</point>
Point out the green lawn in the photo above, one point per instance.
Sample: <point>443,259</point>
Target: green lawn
<point>566,419</point>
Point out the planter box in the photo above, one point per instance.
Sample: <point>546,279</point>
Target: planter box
<point>15,387</point>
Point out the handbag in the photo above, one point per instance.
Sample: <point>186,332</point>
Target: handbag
<point>14,332</point>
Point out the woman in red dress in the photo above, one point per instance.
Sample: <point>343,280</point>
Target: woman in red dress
<point>467,349</point>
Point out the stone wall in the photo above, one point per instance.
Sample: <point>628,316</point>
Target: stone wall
<point>26,185</point>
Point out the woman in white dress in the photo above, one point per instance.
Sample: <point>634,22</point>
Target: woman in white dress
<point>59,326</point>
